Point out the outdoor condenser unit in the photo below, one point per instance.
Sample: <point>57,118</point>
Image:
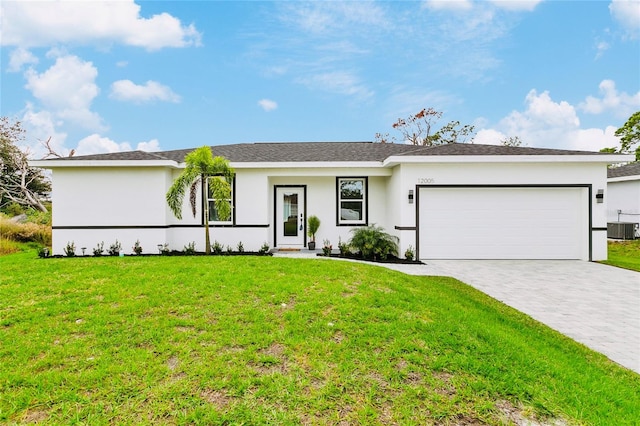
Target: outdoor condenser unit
<point>621,230</point>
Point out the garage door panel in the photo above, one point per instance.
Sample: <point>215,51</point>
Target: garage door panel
<point>501,223</point>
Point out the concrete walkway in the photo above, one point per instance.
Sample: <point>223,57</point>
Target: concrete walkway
<point>594,304</point>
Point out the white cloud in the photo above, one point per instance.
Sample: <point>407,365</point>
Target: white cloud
<point>627,13</point>
<point>20,57</point>
<point>320,17</point>
<point>601,47</point>
<point>517,5</point>
<point>489,137</point>
<point>621,104</point>
<point>268,104</point>
<point>40,126</point>
<point>96,144</point>
<point>152,146</point>
<point>449,5</point>
<point>549,124</point>
<point>46,23</point>
<point>68,88</point>
<point>340,82</point>
<point>467,5</point>
<point>126,90</point>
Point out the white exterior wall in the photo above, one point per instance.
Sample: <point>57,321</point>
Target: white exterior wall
<point>559,173</point>
<point>117,197</point>
<point>624,195</point>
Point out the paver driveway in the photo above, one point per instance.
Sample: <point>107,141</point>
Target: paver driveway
<point>594,304</point>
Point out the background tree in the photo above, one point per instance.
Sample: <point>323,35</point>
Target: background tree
<point>512,141</point>
<point>19,183</point>
<point>629,135</point>
<point>212,174</point>
<point>419,129</point>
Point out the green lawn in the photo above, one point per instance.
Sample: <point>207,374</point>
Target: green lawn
<point>625,254</point>
<point>261,340</point>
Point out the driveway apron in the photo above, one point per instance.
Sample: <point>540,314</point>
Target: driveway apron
<point>594,304</point>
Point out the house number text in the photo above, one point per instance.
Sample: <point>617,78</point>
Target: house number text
<point>425,180</point>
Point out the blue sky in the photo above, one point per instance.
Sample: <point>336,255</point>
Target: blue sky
<point>160,75</point>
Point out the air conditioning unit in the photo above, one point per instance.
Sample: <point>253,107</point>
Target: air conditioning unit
<point>622,230</point>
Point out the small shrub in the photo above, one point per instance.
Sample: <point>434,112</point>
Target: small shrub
<point>216,248</point>
<point>343,247</point>
<point>240,247</point>
<point>43,252</point>
<point>137,248</point>
<point>373,243</point>
<point>164,249</point>
<point>115,248</point>
<point>264,249</point>
<point>229,250</point>
<point>190,249</point>
<point>326,247</point>
<point>13,209</point>
<point>313,223</point>
<point>99,249</point>
<point>409,253</point>
<point>41,218</point>
<point>70,249</point>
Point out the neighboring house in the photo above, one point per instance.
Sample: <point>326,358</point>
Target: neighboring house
<point>623,186</point>
<point>458,201</point>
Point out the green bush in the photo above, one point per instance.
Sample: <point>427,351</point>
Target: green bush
<point>373,243</point>
<point>13,209</point>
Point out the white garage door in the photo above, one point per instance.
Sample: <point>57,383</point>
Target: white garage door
<point>503,223</point>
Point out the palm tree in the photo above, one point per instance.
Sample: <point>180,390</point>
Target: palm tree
<point>210,173</point>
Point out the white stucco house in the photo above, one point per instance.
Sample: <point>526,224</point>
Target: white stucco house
<point>458,201</point>
<point>623,186</point>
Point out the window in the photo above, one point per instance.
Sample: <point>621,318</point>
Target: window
<point>213,212</point>
<point>352,201</point>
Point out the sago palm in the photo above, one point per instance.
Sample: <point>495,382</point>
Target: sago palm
<point>203,169</point>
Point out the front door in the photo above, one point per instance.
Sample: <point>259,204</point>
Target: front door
<point>290,217</point>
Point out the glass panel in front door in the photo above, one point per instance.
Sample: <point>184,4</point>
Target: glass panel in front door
<point>290,214</point>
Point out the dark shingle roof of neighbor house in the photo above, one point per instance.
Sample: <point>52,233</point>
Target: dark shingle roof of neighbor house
<point>631,169</point>
<point>329,151</point>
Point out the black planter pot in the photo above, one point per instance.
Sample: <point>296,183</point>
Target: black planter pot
<point>311,245</point>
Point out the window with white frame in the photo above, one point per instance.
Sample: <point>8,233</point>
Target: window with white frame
<point>213,212</point>
<point>352,201</point>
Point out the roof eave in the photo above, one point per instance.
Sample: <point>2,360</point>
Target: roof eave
<point>394,160</point>
<point>628,178</point>
<point>65,164</point>
<point>303,164</point>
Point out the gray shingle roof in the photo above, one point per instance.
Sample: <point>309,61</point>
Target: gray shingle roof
<point>631,169</point>
<point>329,152</point>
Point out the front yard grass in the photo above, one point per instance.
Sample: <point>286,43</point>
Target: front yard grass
<point>624,254</point>
<point>261,340</point>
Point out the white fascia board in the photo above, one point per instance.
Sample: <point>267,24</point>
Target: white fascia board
<point>624,178</point>
<point>417,159</point>
<point>307,165</point>
<point>59,164</point>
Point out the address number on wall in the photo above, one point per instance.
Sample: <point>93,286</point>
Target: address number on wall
<point>426,180</point>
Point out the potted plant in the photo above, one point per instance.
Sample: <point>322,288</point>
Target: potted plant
<point>313,223</point>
